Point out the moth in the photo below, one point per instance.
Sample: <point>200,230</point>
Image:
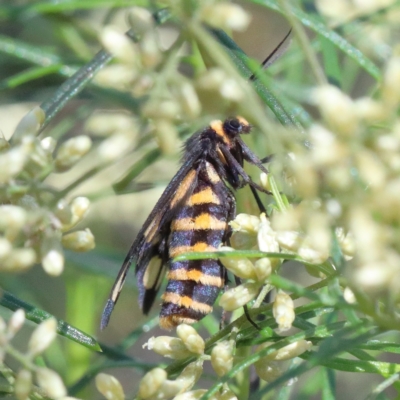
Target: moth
<point>192,215</point>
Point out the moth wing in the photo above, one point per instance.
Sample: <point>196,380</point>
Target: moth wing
<point>149,248</point>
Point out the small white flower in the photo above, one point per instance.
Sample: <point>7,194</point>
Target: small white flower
<point>15,323</point>
<point>168,346</point>
<point>241,267</point>
<point>30,123</point>
<point>238,296</point>
<point>337,109</point>
<point>23,384</point>
<point>42,336</point>
<point>283,311</point>
<point>151,382</point>
<point>79,240</point>
<point>225,15</point>
<point>190,338</point>
<point>109,387</point>
<point>118,44</point>
<point>222,357</point>
<point>51,383</point>
<point>71,151</point>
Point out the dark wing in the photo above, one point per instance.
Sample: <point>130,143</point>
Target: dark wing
<point>149,248</point>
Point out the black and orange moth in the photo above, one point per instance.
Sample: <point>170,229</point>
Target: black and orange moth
<point>192,215</point>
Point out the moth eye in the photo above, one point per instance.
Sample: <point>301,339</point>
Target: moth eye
<point>232,126</point>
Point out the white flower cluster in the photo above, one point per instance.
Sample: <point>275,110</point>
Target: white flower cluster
<point>349,178</point>
<point>35,224</point>
<point>48,382</point>
<point>148,68</point>
<point>155,384</point>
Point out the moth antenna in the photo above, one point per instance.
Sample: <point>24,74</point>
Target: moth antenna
<point>275,54</point>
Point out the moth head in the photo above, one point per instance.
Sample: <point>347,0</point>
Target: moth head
<point>236,126</point>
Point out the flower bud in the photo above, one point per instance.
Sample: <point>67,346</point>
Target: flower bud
<point>109,387</point>
<point>168,346</point>
<point>241,267</point>
<point>290,351</point>
<point>326,148</point>
<point>371,169</point>
<point>18,260</point>
<point>338,10</point>
<point>29,124</point>
<point>370,110</point>
<point>346,243</point>
<point>12,220</point>
<point>71,214</point>
<point>166,135</point>
<point>190,375</point>
<point>23,384</point>
<point>115,146</point>
<point>48,144</point>
<point>117,76</point>
<point>15,323</point>
<point>246,223</point>
<point>238,296</point>
<point>190,338</point>
<point>151,382</point>
<point>63,212</point>
<point>39,159</point>
<point>231,90</point>
<point>222,357</point>
<point>269,370</point>
<point>42,337</point>
<point>265,181</point>
<point>161,109</point>
<point>263,269</point>
<point>150,52</point>
<point>211,80</point>
<point>108,123</point>
<point>140,20</point>
<point>79,240</point>
<point>11,163</point>
<point>118,44</point>
<point>311,255</point>
<point>52,256</point>
<point>283,311</point>
<point>71,151</point>
<point>243,241</point>
<point>226,16</point>
<point>349,296</point>
<point>266,237</point>
<point>391,83</point>
<point>189,100</point>
<point>79,207</point>
<point>226,394</point>
<point>184,382</point>
<point>50,382</point>
<point>5,248</point>
<point>192,395</point>
<point>337,109</point>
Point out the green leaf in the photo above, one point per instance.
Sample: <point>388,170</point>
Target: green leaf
<point>37,315</point>
<point>29,75</point>
<point>340,42</point>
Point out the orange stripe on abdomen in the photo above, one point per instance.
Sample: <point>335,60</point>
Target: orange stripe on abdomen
<point>203,221</point>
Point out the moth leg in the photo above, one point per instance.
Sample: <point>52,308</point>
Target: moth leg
<point>246,309</point>
<point>267,159</point>
<point>258,200</point>
<point>246,178</point>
